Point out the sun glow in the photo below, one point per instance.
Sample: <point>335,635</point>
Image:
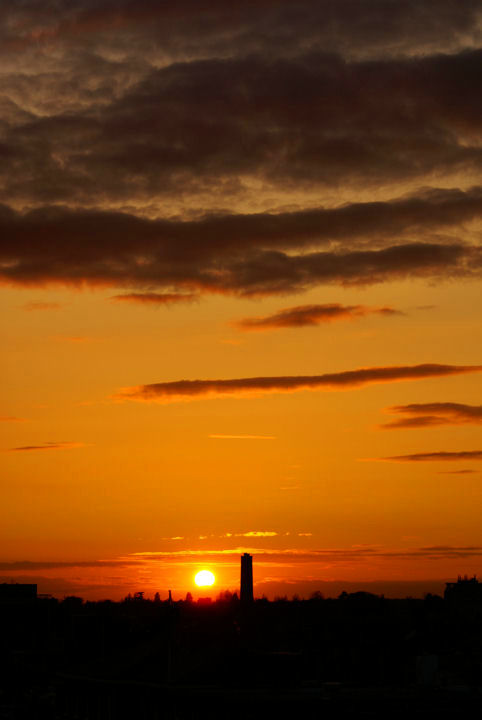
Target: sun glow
<point>204,578</point>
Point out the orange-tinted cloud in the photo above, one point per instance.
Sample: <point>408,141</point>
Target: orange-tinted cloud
<point>257,533</point>
<point>11,418</point>
<point>48,446</point>
<point>438,413</point>
<point>189,389</point>
<point>440,455</point>
<point>303,315</point>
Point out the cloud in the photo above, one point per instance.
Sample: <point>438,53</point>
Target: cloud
<point>189,389</point>
<point>303,315</point>
<point>210,126</point>
<point>35,565</point>
<point>457,472</point>
<point>374,30</point>
<point>257,254</point>
<point>441,455</point>
<point>242,437</point>
<point>33,306</point>
<point>438,413</point>
<point>48,446</point>
<point>155,299</point>
<point>257,533</point>
<point>127,129</point>
<point>11,418</point>
<point>264,555</point>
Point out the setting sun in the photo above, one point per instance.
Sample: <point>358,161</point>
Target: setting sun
<point>204,578</point>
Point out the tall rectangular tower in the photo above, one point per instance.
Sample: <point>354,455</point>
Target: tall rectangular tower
<point>246,594</point>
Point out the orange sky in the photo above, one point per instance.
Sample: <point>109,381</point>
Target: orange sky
<point>216,197</point>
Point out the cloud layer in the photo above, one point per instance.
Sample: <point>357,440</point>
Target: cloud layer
<point>182,389</point>
<point>128,129</point>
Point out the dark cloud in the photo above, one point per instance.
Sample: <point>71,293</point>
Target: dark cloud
<point>438,413</point>
<point>441,455</point>
<point>48,446</point>
<point>303,315</point>
<point>241,254</point>
<point>188,29</point>
<point>216,124</point>
<point>172,391</point>
<point>120,122</point>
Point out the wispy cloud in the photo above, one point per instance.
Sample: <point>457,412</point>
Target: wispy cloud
<point>11,418</point>
<point>465,471</point>
<point>64,445</point>
<point>155,299</point>
<point>311,315</point>
<point>441,455</point>
<point>33,306</point>
<point>242,437</point>
<point>191,389</point>
<point>437,413</point>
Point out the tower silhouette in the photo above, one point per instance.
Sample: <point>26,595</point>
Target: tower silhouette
<point>246,578</point>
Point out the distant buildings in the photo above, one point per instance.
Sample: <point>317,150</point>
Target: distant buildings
<point>464,590</point>
<point>246,594</point>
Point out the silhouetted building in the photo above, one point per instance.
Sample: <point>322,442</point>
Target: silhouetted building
<point>464,590</point>
<point>246,578</point>
<point>17,592</point>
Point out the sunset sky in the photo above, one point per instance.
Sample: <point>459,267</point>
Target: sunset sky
<point>240,269</point>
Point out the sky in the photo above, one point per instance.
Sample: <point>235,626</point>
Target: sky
<point>240,269</point>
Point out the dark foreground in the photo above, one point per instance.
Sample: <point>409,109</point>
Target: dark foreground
<point>360,656</point>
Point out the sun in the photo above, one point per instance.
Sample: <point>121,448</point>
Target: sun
<point>204,578</point>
